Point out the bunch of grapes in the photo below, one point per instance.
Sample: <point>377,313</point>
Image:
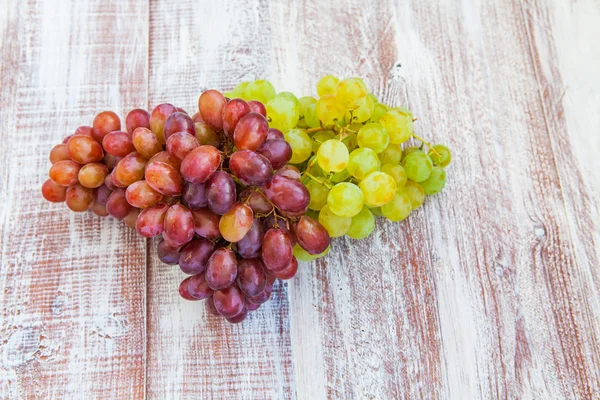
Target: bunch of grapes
<point>216,186</point>
<point>348,147</point>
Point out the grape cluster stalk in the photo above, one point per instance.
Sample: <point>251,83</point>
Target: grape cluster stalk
<point>216,186</point>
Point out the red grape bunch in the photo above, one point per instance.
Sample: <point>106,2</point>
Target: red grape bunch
<point>216,186</point>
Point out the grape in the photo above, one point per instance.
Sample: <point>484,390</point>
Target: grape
<point>250,168</point>
<point>241,90</point>
<point>104,123</point>
<point>415,193</point>
<point>178,122</point>
<point>409,150</point>
<point>305,102</point>
<point>329,110</point>
<point>194,196</point>
<point>85,131</point>
<point>391,155</point>
<point>198,288</point>
<point>200,164</point>
<point>166,253</point>
<point>194,256</point>
<point>321,137</point>
<point>418,166</point>
<point>65,173</point>
<point>102,194</point>
<point>283,113</point>
<point>256,200</point>
<point>260,90</point>
<point>210,307</point>
<point>258,107</point>
<point>109,182</point>
<point>288,272</point>
<point>376,211</point>
<point>229,302</point>
<point>311,235</point>
<point>184,289</point>
<point>362,162</point>
<point>206,135</point>
<point>443,156</point>
<point>345,200</point>
<point>378,189</point>
<point>118,143</point>
<point>397,172</point>
<point>313,167</point>
<point>332,156</point>
<point>232,113</point>
<point>130,169</point>
<point>239,317</point>
<point>250,132</point>
<point>287,194</point>
<point>302,255</point>
<point>79,198</point>
<point>166,158</point>
<point>361,110</point>
<point>350,91</point>
<point>436,181</point>
<point>251,277</point>
<point>300,143</point>
<point>318,195</point>
<point>221,192</point>
<point>397,209</point>
<point>151,221</point>
<point>163,178</point>
<point>374,137</point>
<point>180,144</point>
<point>398,124</point>
<point>110,161</point>
<point>92,175</point>
<point>236,223</point>
<point>84,150</point>
<point>378,110</point>
<point>276,252</point>
<point>290,172</point>
<point>179,226</point>
<point>145,142</point>
<point>327,85</point>
<point>141,195</point>
<point>137,118</point>
<point>273,133</point>
<point>59,153</point>
<point>211,104</point>
<point>249,246</point>
<point>117,204</point>
<point>99,209</point>
<point>310,117</point>
<point>131,218</point>
<point>350,140</point>
<point>362,224</point>
<point>264,296</point>
<point>206,223</point>
<point>250,306</point>
<point>66,139</point>
<point>221,269</point>
<point>336,226</point>
<point>277,151</point>
<point>53,192</point>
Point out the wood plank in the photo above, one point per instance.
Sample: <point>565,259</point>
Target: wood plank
<point>195,46</point>
<point>72,286</point>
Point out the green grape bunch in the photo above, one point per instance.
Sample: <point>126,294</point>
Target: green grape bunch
<point>352,153</point>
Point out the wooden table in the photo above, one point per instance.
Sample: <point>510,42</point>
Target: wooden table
<point>491,290</point>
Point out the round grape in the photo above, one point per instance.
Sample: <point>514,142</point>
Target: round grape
<point>300,143</point>
<point>336,226</point>
<point>397,209</point>
<point>362,162</point>
<point>436,181</point>
<point>345,199</point>
<point>332,156</point>
<point>378,189</point>
<point>418,166</point>
<point>362,224</point>
<point>374,137</point>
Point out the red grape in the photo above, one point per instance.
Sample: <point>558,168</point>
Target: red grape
<point>179,144</point>
<point>59,153</point>
<point>141,195</point>
<point>197,117</point>
<point>163,178</point>
<point>258,107</point>
<point>206,135</point>
<point>65,173</point>
<point>165,157</point>
<point>131,218</point>
<point>158,117</point>
<point>117,204</point>
<point>102,194</point>
<point>210,307</point>
<point>249,246</point>
<point>276,250</point>
<point>108,181</point>
<point>264,296</point>
<point>311,235</point>
<point>206,223</point>
<point>178,122</point>
<point>288,272</point>
<point>104,123</point>
<point>53,192</point>
<point>200,164</point>
<point>198,288</point>
<point>236,222</point>
<point>137,118</point>
<point>129,170</point>
<point>84,130</point>
<point>221,192</point>
<point>166,253</point>
<point>194,196</point>
<point>111,161</point>
<point>151,221</point>
<point>179,226</point>
<point>250,305</point>
<point>251,277</point>
<point>194,256</point>
<point>118,143</point>
<point>84,150</point>
<point>184,290</point>
<point>232,113</point>
<point>92,175</point>
<point>221,269</point>
<point>273,134</point>
<point>287,194</point>
<point>229,302</point>
<point>210,105</point>
<point>250,132</point>
<point>79,198</point>
<point>239,317</point>
<point>290,172</point>
<point>99,209</point>
<point>256,200</point>
<point>282,223</point>
<point>277,151</point>
<point>250,167</point>
<point>145,142</point>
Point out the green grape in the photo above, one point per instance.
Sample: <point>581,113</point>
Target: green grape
<point>398,124</point>
<point>310,116</point>
<point>335,225</point>
<point>349,140</point>
<point>378,189</point>
<point>289,96</point>
<point>436,181</point>
<point>362,224</point>
<point>241,90</point>
<point>378,110</point>
<point>318,195</point>
<point>329,111</point>
<point>397,172</point>
<point>321,137</point>
<point>231,95</point>
<point>282,113</point>
<point>304,103</point>
<point>376,211</point>
<point>260,90</point>
<point>327,85</point>
<point>345,200</point>
<point>340,176</point>
<point>415,193</point>
<point>350,91</point>
<point>332,156</point>
<point>418,166</point>
<point>443,156</point>
<point>374,137</point>
<point>303,255</point>
<point>397,209</point>
<point>313,214</point>
<point>362,162</point>
<point>409,150</point>
<point>391,155</point>
<point>362,110</point>
<point>315,170</point>
<point>373,97</point>
<point>300,143</point>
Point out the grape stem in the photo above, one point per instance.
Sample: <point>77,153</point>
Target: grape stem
<point>328,186</point>
<point>313,130</point>
<point>428,144</point>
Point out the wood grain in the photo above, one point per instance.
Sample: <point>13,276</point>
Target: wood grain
<point>72,286</point>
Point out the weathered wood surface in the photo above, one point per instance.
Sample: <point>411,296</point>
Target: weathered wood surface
<point>491,290</point>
